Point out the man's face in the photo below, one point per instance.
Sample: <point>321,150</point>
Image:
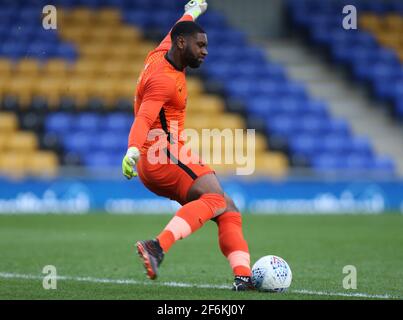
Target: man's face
<point>195,50</point>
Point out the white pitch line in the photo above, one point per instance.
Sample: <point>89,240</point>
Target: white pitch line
<point>7,275</point>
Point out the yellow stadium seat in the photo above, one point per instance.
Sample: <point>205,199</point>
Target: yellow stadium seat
<point>194,86</point>
<point>4,137</point>
<point>114,69</point>
<point>50,87</point>
<point>55,67</point>
<point>197,122</point>
<point>120,51</point>
<point>82,17</point>
<point>139,51</point>
<point>388,39</point>
<point>6,67</point>
<point>122,70</point>
<point>43,163</point>
<point>22,141</point>
<point>127,34</point>
<point>8,122</point>
<point>232,121</point>
<point>102,34</point>
<point>3,140</point>
<point>22,87</point>
<point>204,104</point>
<point>272,164</point>
<point>220,121</point>
<point>134,69</point>
<point>13,164</point>
<point>370,22</point>
<point>85,68</point>
<point>94,51</point>
<point>27,67</point>
<point>4,83</point>
<point>63,18</point>
<point>106,89</point>
<point>394,22</point>
<point>74,33</point>
<point>126,88</point>
<point>107,17</point>
<point>77,88</point>
<point>260,142</point>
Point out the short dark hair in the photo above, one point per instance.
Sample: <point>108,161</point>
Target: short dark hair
<point>185,28</point>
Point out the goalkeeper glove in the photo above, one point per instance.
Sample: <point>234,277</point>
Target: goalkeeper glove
<point>195,8</point>
<point>129,161</point>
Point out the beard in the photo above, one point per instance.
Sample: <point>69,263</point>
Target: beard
<point>192,61</point>
<point>194,64</point>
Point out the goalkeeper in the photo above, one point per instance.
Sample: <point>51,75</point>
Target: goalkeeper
<point>160,102</point>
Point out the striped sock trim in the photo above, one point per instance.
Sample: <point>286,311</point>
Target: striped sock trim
<point>179,228</point>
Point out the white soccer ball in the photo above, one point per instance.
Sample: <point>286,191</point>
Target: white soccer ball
<point>272,274</point>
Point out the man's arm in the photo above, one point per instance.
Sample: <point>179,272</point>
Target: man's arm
<point>158,91</point>
<point>193,9</point>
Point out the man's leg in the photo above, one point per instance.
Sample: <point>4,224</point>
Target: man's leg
<point>231,239</point>
<point>190,218</point>
<point>187,220</point>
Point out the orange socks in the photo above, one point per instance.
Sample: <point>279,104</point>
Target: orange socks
<point>194,214</point>
<point>191,217</point>
<point>232,242</point>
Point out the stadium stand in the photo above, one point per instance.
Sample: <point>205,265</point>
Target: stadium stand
<point>74,88</point>
<point>373,52</point>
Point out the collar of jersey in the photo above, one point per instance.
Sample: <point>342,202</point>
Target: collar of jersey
<point>172,63</point>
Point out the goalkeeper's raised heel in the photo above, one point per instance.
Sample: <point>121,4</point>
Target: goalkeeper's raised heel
<point>152,255</point>
<point>243,284</point>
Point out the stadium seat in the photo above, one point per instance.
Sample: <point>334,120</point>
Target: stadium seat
<point>22,142</point>
<point>43,163</point>
<point>60,123</point>
<point>13,164</point>
<point>273,164</point>
<point>8,122</point>
<point>372,55</point>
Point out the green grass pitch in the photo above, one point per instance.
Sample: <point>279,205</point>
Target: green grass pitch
<point>92,252</point>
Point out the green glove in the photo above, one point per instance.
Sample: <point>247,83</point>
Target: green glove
<point>195,8</point>
<point>129,161</point>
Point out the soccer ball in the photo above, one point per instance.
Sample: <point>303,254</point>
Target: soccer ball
<point>271,274</point>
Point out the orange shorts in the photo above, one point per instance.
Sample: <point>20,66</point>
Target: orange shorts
<point>173,177</point>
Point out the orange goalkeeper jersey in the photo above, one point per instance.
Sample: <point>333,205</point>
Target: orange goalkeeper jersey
<point>160,99</point>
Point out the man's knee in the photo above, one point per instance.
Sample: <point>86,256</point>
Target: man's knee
<point>231,207</point>
<point>204,184</point>
<point>216,202</point>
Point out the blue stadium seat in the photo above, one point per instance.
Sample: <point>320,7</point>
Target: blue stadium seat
<point>307,145</point>
<point>60,123</point>
<point>80,142</point>
<point>100,159</point>
<point>282,125</point>
<point>110,141</point>
<point>118,122</point>
<point>89,122</point>
<point>384,164</point>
